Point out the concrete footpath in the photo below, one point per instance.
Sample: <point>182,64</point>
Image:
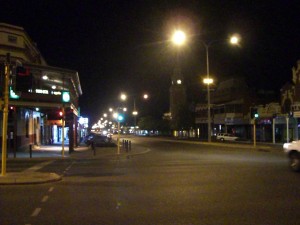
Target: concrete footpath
<point>50,153</point>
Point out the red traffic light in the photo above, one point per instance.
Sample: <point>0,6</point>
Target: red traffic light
<point>22,71</point>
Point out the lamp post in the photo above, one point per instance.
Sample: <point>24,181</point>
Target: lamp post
<point>234,40</point>
<point>123,97</point>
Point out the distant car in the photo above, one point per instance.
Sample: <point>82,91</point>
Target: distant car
<point>226,137</point>
<point>97,138</point>
<point>88,137</point>
<point>292,150</point>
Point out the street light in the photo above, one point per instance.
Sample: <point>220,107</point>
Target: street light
<point>178,37</point>
<point>234,40</point>
<point>123,97</point>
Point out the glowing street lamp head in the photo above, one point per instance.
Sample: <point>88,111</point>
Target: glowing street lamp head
<point>235,39</point>
<point>208,81</point>
<point>123,97</point>
<point>146,96</point>
<point>179,37</point>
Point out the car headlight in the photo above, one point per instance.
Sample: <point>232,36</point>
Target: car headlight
<point>286,145</point>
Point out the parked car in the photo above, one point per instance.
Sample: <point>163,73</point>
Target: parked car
<point>226,137</point>
<point>292,149</point>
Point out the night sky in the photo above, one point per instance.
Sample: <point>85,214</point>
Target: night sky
<point>123,45</point>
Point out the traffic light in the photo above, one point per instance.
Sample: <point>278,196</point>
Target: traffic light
<point>69,115</point>
<point>120,118</point>
<point>60,114</point>
<point>65,96</point>
<point>254,113</point>
<point>11,112</point>
<point>23,79</point>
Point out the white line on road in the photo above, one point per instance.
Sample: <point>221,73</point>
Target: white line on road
<point>50,189</point>
<point>45,198</point>
<point>38,166</point>
<point>36,212</point>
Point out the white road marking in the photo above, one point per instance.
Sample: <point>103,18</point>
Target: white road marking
<point>36,212</point>
<point>38,166</point>
<point>50,189</point>
<point>45,198</point>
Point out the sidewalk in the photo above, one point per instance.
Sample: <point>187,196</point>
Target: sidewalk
<point>52,153</point>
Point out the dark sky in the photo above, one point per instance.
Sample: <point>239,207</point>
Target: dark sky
<point>123,45</point>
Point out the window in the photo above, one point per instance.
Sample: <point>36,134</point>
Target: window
<point>12,39</point>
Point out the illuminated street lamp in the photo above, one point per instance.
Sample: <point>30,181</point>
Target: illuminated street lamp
<point>123,97</point>
<point>234,40</point>
<point>178,37</point>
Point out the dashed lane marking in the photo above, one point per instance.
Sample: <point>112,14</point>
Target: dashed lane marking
<point>51,189</point>
<point>45,198</point>
<point>36,212</point>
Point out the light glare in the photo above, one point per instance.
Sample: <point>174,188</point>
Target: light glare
<point>208,81</point>
<point>179,37</point>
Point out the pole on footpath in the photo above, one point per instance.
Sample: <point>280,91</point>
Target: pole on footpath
<point>63,133</point>
<point>254,133</point>
<point>287,129</point>
<point>5,114</point>
<point>273,130</point>
<point>118,142</point>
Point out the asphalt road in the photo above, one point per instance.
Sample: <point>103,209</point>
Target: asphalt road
<point>174,184</point>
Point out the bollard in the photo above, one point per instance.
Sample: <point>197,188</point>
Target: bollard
<point>30,151</point>
<point>129,146</point>
<point>126,145</point>
<point>123,144</point>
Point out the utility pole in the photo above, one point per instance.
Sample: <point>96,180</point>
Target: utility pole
<point>63,132</point>
<point>254,133</point>
<point>118,142</point>
<point>5,113</point>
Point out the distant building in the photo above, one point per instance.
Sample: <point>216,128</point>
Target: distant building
<point>290,104</point>
<point>177,98</point>
<point>38,93</point>
<point>231,103</point>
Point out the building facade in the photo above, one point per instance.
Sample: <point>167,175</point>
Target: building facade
<point>38,94</point>
<point>232,104</point>
<point>177,98</point>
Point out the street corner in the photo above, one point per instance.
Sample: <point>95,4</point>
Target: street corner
<point>22,178</point>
